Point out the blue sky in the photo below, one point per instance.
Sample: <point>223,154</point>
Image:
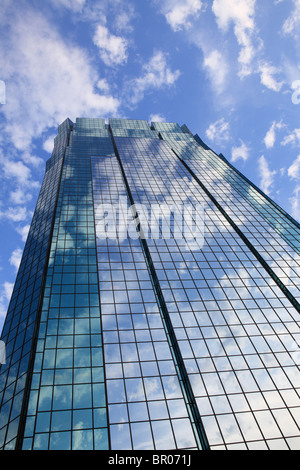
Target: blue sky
<point>228,69</point>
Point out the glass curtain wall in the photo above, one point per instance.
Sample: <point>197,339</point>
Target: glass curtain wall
<point>185,338</point>
<point>67,403</point>
<point>235,327</point>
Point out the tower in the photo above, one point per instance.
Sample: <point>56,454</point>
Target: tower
<point>157,301</point>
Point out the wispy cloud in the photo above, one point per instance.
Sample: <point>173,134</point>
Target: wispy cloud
<point>23,231</point>
<point>156,74</point>
<point>180,13</point>
<point>123,18</point>
<point>266,175</point>
<point>240,152</point>
<point>294,169</point>
<point>16,170</point>
<point>5,295</point>
<point>14,214</point>
<point>92,11</point>
<point>291,24</point>
<point>112,49</point>
<point>74,5</point>
<point>270,136</point>
<point>31,160</point>
<point>293,138</point>
<point>218,131</point>
<point>156,118</point>
<point>217,68</point>
<point>241,14</point>
<point>19,184</point>
<point>48,144</point>
<point>295,203</point>
<point>19,196</point>
<point>15,258</point>
<point>48,78</point>
<point>268,76</point>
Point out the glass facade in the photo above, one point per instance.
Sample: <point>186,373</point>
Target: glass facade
<point>19,331</point>
<point>157,303</point>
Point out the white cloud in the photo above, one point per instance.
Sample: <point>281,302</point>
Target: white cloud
<point>267,76</point>
<point>240,152</point>
<point>20,182</point>
<point>266,175</point>
<point>18,186</point>
<point>179,13</point>
<point>2,92</point>
<point>48,144</point>
<point>112,49</point>
<point>103,85</point>
<point>32,160</point>
<point>48,79</point>
<point>241,13</point>
<point>14,214</point>
<point>295,203</point>
<point>5,295</point>
<point>294,169</point>
<point>291,24</point>
<point>74,5</point>
<point>282,171</point>
<point>91,11</point>
<point>15,258</point>
<point>19,196</point>
<point>157,118</point>
<point>8,288</point>
<point>218,131</point>
<point>270,136</point>
<point>217,68</point>
<point>156,74</point>
<point>16,170</point>
<point>292,138</point>
<point>23,231</point>
<point>124,17</point>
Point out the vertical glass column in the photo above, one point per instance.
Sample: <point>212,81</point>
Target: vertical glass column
<point>20,325</point>
<point>146,407</point>
<point>67,403</point>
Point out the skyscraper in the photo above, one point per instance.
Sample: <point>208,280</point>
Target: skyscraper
<point>156,306</point>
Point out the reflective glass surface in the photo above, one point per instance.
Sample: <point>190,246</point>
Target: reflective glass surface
<point>23,311</point>
<point>143,389</point>
<point>67,403</point>
<point>236,329</point>
<point>183,338</point>
<point>275,237</point>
